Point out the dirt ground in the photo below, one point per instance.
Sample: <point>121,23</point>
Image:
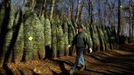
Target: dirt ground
<point>111,62</point>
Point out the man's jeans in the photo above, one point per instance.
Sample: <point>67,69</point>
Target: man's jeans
<point>79,58</point>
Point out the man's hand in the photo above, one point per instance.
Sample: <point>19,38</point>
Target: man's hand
<point>90,50</point>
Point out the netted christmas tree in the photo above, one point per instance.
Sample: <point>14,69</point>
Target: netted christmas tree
<point>38,38</point>
<point>28,36</point>
<point>6,35</point>
<point>48,37</point>
<point>54,39</point>
<point>60,40</point>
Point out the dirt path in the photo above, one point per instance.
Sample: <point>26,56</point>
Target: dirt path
<point>112,62</point>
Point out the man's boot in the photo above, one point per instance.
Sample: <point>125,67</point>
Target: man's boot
<point>82,68</point>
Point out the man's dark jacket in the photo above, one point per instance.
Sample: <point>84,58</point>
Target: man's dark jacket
<point>81,40</point>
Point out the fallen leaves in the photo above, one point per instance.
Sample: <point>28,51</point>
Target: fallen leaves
<point>37,67</point>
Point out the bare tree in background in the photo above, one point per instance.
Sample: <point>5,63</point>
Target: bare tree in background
<point>81,10</point>
<point>42,7</point>
<point>52,8</point>
<point>78,10</point>
<point>132,21</point>
<point>119,21</point>
<point>90,11</point>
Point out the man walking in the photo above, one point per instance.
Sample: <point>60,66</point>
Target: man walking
<point>80,41</point>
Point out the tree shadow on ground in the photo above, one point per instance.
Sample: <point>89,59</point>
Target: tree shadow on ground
<point>62,63</point>
<point>7,70</point>
<point>122,64</point>
<point>127,47</point>
<point>112,63</point>
<point>120,73</point>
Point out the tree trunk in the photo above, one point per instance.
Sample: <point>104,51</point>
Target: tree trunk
<point>19,44</point>
<point>90,10</point>
<point>69,13</point>
<point>119,16</point>
<point>2,13</point>
<point>101,38</point>
<point>105,12</point>
<point>71,34</point>
<point>121,23</point>
<point>81,10</point>
<point>99,13</point>
<point>72,9</point>
<point>60,40</point>
<point>48,37</point>
<point>130,22</point>
<point>43,3</point>
<point>66,38</point>
<point>33,3</point>
<point>78,11</point>
<point>133,22</point>
<point>107,45</point>
<point>88,33</point>
<point>94,34</point>
<point>54,39</point>
<point>7,41</point>
<point>52,8</point>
